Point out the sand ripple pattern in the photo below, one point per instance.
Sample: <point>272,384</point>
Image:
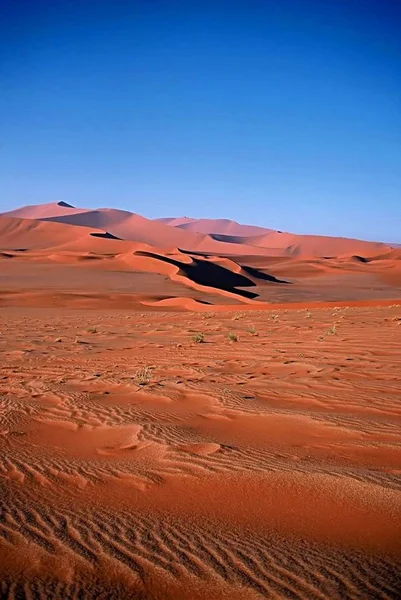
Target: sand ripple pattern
<point>267,567</point>
<point>101,402</point>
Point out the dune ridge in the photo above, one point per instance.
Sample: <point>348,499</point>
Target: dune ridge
<point>212,236</point>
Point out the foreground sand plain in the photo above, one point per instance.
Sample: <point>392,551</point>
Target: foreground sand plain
<point>137,463</point>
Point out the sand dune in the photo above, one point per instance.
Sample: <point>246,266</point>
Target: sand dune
<point>127,226</point>
<point>72,244</point>
<point>319,246</point>
<point>41,211</point>
<point>220,237</point>
<point>290,244</point>
<point>29,234</point>
<point>215,226</point>
<point>219,278</point>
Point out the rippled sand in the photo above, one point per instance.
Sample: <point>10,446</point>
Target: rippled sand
<point>138,464</point>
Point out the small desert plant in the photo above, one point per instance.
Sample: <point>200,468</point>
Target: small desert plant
<point>143,376</point>
<point>308,315</point>
<point>92,330</point>
<point>233,337</point>
<point>332,330</point>
<point>199,338</point>
<point>252,330</point>
<point>274,317</point>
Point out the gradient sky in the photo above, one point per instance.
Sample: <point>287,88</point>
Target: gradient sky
<point>284,113</point>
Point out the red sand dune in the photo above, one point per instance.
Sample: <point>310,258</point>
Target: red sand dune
<point>133,227</point>
<point>220,237</point>
<point>61,242</point>
<point>215,226</point>
<point>22,234</point>
<point>289,243</point>
<point>275,267</point>
<point>41,211</point>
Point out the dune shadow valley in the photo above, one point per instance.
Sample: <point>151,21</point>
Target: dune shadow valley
<point>195,409</point>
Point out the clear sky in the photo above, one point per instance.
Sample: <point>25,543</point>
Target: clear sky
<point>282,113</point>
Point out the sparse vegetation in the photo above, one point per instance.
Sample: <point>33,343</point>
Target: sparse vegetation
<point>143,376</point>
<point>332,330</point>
<point>308,315</point>
<point>199,338</point>
<point>233,337</point>
<point>92,330</point>
<point>252,330</point>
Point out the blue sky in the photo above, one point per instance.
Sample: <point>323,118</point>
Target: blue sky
<point>285,114</point>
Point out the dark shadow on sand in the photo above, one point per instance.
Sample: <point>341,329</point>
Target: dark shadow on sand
<point>106,236</point>
<point>209,274</point>
<point>261,275</point>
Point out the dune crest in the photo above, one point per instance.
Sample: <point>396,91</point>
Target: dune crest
<point>219,236</point>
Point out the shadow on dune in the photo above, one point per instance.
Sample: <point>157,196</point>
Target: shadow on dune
<point>362,259</point>
<point>264,276</point>
<point>228,239</point>
<point>106,236</point>
<point>209,274</point>
<point>256,273</point>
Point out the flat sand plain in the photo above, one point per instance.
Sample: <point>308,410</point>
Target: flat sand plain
<point>136,463</point>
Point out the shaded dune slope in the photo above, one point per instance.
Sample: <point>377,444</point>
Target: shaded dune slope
<point>205,273</point>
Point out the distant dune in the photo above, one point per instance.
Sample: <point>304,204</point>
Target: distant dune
<point>215,226</point>
<point>220,237</point>
<point>41,211</point>
<point>29,234</point>
<point>225,263</point>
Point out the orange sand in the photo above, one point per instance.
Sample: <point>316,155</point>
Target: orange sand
<point>136,463</point>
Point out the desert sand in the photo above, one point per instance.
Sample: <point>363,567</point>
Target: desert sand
<point>196,410</point>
